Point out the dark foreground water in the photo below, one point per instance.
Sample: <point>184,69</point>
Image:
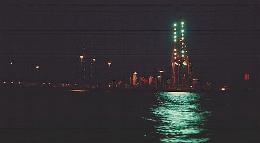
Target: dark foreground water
<point>43,116</point>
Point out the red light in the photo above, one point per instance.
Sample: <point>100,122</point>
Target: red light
<point>246,76</point>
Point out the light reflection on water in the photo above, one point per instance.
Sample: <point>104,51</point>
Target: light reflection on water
<point>179,117</point>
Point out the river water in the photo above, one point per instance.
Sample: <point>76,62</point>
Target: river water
<point>181,117</point>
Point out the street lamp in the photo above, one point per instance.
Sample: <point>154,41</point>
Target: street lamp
<point>37,73</point>
<point>109,64</point>
<point>81,58</point>
<point>37,67</point>
<point>161,78</point>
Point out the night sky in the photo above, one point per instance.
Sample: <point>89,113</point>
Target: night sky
<point>222,36</point>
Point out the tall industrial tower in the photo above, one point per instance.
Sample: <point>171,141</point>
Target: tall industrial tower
<point>180,61</point>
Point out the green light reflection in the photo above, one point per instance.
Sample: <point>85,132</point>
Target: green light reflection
<point>179,117</point>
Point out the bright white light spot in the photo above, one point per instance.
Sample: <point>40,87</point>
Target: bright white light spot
<point>78,90</point>
<point>223,89</point>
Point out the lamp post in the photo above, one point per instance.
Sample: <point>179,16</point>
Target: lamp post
<point>92,72</point>
<point>109,63</point>
<point>37,69</point>
<point>161,78</point>
<point>11,70</point>
<point>82,67</point>
<point>81,58</point>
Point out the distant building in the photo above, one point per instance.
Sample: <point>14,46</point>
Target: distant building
<point>134,79</point>
<point>144,81</point>
<point>151,80</point>
<point>195,83</point>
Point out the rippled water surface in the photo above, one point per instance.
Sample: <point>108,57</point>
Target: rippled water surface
<point>41,115</point>
<point>179,117</point>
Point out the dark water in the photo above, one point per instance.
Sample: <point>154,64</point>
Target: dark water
<point>34,116</point>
